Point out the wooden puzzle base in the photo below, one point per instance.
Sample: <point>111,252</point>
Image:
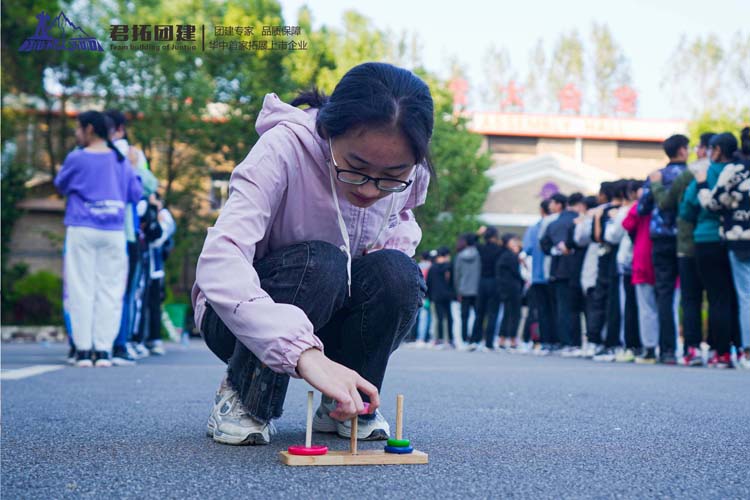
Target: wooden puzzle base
<point>363,457</point>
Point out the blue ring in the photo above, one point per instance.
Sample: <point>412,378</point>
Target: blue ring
<point>399,450</point>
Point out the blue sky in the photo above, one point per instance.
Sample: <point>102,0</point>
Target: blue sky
<point>648,31</point>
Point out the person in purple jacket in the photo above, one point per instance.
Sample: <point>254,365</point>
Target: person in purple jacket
<point>98,181</point>
<point>307,271</point>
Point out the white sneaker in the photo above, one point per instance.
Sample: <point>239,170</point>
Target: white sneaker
<point>568,352</point>
<point>525,347</point>
<point>229,422</point>
<point>141,351</point>
<point>590,350</point>
<point>744,360</point>
<point>606,355</point>
<point>370,429</point>
<point>157,348</point>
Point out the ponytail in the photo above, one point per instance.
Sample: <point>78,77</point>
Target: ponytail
<point>313,98</point>
<point>119,154</point>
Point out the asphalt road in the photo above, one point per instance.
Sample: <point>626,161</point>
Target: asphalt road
<point>496,425</point>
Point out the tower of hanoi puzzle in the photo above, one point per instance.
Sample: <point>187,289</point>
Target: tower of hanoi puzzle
<point>397,451</point>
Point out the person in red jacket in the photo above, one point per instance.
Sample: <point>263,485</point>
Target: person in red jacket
<point>643,278</point>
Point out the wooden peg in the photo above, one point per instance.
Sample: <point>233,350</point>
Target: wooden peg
<point>399,416</point>
<point>353,444</point>
<point>308,430</point>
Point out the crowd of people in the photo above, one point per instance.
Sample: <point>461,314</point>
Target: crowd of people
<point>118,234</point>
<point>613,277</point>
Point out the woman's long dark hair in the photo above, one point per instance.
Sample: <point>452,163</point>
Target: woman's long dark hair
<point>102,125</point>
<point>377,94</point>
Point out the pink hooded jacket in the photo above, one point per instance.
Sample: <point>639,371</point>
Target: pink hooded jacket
<point>643,267</point>
<point>280,195</point>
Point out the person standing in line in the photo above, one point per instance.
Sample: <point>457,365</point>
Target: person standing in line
<point>424,316</point>
<point>600,295</point>
<point>638,227</point>
<point>711,252</point>
<point>121,355</point>
<point>488,303</point>
<point>510,287</point>
<point>539,294</point>
<point>615,233</point>
<point>467,273</point>
<point>98,182</point>
<point>664,243</point>
<point>440,293</point>
<point>557,241</point>
<point>582,237</point>
<point>155,288</point>
<point>608,265</point>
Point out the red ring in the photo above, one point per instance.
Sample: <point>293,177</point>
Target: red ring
<point>304,450</point>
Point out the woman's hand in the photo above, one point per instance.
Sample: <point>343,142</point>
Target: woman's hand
<point>338,382</point>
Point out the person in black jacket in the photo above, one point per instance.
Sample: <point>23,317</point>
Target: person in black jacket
<point>510,287</point>
<point>440,292</point>
<point>488,302</point>
<point>558,242</point>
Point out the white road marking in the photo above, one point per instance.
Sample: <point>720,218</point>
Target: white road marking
<point>29,371</point>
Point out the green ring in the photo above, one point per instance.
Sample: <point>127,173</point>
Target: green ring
<point>398,443</point>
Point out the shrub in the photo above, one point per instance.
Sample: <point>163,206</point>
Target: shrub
<point>38,299</point>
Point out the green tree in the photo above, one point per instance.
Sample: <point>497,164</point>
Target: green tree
<point>718,121</point>
<point>536,97</point>
<point>566,64</point>
<point>455,200</point>
<point>498,72</point>
<point>696,75</point>
<point>611,68</point>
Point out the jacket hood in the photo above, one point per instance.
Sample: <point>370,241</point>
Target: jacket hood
<point>468,254</point>
<point>300,122</point>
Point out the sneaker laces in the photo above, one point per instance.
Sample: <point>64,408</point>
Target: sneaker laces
<point>238,410</point>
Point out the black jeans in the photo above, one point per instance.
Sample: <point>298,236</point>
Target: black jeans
<point>488,304</point>
<point>598,299</point>
<point>543,301</point>
<point>664,253</point>
<point>716,274</point>
<point>359,332</point>
<point>691,299</point>
<point>511,316</point>
<point>614,318</point>
<point>444,316</point>
<point>630,319</point>
<point>467,303</point>
<point>563,302</point>
<point>577,307</point>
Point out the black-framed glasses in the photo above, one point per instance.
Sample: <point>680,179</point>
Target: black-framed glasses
<point>387,184</point>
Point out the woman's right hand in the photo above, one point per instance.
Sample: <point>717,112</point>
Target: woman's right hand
<point>338,382</point>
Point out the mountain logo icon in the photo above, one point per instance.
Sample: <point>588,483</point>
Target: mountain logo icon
<point>59,34</point>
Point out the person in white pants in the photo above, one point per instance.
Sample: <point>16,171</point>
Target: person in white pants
<point>98,181</point>
<point>96,270</point>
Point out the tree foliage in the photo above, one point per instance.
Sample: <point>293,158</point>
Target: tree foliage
<point>703,74</point>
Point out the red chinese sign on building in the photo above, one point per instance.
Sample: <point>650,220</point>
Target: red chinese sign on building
<point>512,97</point>
<point>627,100</point>
<point>570,99</point>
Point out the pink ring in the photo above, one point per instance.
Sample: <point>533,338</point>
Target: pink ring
<point>304,450</point>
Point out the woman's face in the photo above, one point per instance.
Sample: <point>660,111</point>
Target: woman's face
<point>379,153</point>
